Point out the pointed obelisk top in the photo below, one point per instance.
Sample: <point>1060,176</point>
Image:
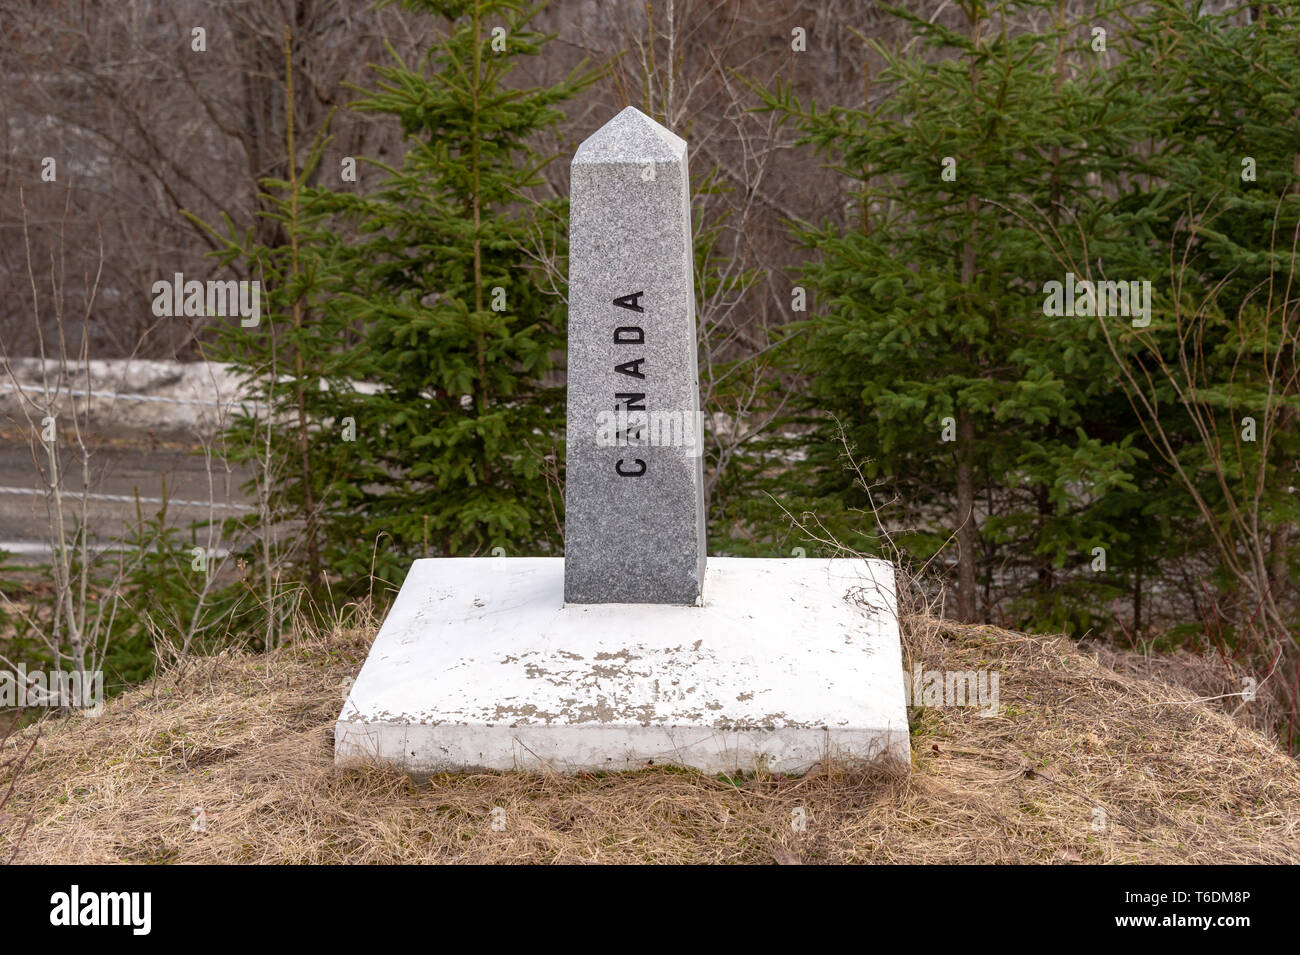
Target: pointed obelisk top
<point>632,137</point>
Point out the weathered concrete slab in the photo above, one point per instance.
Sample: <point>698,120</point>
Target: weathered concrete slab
<point>634,485</point>
<point>482,664</point>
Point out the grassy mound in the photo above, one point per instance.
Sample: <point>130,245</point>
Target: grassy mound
<point>229,759</point>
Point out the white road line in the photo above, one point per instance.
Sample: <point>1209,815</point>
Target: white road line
<point>129,499</point>
<point>40,549</point>
<point>74,393</point>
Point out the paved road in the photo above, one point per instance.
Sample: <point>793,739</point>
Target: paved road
<point>121,466</point>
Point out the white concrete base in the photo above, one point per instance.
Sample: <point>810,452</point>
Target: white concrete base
<point>481,665</point>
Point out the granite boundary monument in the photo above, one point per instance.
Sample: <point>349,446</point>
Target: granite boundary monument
<point>634,475</point>
<point>632,650</point>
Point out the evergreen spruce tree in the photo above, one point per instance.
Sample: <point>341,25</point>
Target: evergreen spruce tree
<point>459,447</point>
<point>995,424</point>
<point>1221,206</point>
<point>427,282</point>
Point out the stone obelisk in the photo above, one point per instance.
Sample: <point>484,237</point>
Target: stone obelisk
<point>634,486</point>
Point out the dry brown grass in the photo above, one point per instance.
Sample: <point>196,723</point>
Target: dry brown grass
<point>248,739</point>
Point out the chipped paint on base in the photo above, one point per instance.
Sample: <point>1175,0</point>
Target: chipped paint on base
<point>480,664</point>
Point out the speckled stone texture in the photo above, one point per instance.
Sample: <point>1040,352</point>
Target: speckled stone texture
<point>634,493</point>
